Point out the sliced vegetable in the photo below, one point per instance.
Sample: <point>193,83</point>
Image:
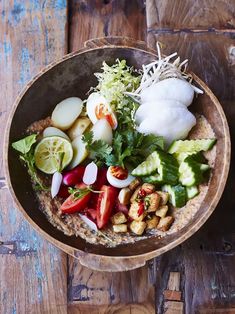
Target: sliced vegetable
<point>79,152</point>
<point>177,194</point>
<point>53,154</point>
<point>56,183</point>
<point>89,222</point>
<point>106,203</point>
<point>163,165</point>
<point>64,192</point>
<point>191,146</point>
<point>90,173</point>
<point>192,191</point>
<point>191,172</point>
<point>77,201</point>
<point>78,127</point>
<point>66,112</point>
<point>52,131</point>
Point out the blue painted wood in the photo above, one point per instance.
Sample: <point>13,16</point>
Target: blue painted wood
<point>33,276</point>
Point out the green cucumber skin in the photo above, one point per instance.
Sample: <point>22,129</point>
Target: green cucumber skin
<point>177,195</point>
<point>191,146</point>
<point>166,165</point>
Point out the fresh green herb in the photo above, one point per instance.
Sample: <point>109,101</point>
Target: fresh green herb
<point>80,193</point>
<point>25,148</point>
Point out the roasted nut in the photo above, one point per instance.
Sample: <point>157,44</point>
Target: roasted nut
<point>124,196</point>
<point>134,184</point>
<point>152,223</point>
<point>133,212</point>
<point>148,188</point>
<point>137,227</point>
<point>134,195</point>
<point>120,228</point>
<point>118,218</point>
<point>164,197</point>
<point>162,210</point>
<point>165,223</point>
<point>153,201</point>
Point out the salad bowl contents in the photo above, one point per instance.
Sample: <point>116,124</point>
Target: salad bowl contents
<point>130,161</point>
<point>128,154</point>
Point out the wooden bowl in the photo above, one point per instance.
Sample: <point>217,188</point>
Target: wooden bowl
<point>73,76</point>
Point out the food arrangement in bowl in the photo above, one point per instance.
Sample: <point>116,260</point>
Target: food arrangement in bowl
<point>129,162</point>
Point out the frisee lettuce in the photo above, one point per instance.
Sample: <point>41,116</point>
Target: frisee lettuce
<point>115,80</point>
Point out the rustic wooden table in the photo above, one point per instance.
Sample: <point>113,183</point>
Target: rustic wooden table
<point>197,276</point>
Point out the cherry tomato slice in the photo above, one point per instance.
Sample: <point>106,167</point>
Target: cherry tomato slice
<point>72,205</point>
<point>105,205</point>
<point>100,181</point>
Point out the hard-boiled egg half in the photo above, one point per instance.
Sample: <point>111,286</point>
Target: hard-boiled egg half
<point>98,108</point>
<point>119,177</point>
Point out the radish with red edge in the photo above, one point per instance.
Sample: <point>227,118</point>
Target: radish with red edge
<point>74,176</point>
<point>89,222</point>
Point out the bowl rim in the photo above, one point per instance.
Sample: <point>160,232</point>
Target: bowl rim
<point>151,254</point>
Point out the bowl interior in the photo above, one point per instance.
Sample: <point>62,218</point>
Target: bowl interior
<point>73,77</point>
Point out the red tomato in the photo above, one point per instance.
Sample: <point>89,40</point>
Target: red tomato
<point>100,181</point>
<point>73,176</point>
<point>72,205</point>
<point>105,204</point>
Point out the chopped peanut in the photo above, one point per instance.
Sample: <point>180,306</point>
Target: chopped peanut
<point>152,223</point>
<point>164,197</point>
<point>137,227</point>
<point>148,188</point>
<point>153,200</point>
<point>165,223</point>
<point>134,195</point>
<point>161,212</point>
<point>124,196</point>
<point>118,218</point>
<point>120,228</point>
<point>134,184</point>
<point>134,212</point>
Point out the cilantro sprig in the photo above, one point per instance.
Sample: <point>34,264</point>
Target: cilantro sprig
<point>80,193</point>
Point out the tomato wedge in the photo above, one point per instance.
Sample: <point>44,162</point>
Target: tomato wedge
<point>72,205</point>
<point>105,204</point>
<point>100,181</point>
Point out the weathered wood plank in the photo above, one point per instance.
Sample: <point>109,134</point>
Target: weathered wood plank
<point>190,14</point>
<point>33,272</point>
<point>109,292</point>
<point>211,56</point>
<point>94,18</point>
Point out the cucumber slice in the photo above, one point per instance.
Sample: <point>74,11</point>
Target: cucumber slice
<point>199,157</point>
<point>191,146</point>
<point>192,191</point>
<point>191,172</point>
<point>177,194</point>
<point>159,167</point>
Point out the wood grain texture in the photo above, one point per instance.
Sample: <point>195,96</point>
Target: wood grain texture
<point>95,18</point>
<point>195,15</point>
<point>111,292</point>
<point>33,272</point>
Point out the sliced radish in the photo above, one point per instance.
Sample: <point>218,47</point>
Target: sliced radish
<point>90,174</point>
<point>89,222</point>
<point>56,183</point>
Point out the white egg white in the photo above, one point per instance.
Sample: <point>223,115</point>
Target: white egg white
<point>93,101</point>
<point>118,183</point>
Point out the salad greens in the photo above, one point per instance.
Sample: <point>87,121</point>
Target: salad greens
<point>26,150</point>
<point>115,80</point>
